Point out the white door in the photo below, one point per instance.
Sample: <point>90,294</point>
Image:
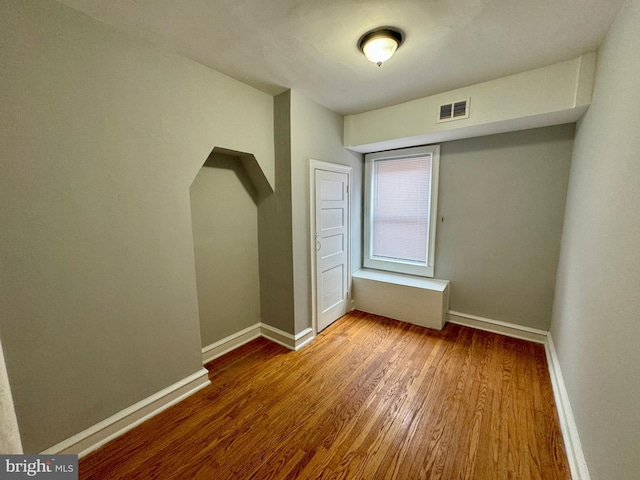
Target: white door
<point>331,244</point>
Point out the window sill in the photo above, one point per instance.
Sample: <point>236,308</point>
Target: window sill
<point>402,279</point>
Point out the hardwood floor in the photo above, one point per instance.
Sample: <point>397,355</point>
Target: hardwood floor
<point>369,398</point>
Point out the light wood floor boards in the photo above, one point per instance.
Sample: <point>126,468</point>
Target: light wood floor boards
<point>369,398</point>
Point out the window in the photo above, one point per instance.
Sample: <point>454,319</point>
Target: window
<point>401,192</point>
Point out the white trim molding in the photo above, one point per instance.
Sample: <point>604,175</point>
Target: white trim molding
<point>219,348</point>
<point>286,339</point>
<point>572,445</point>
<point>292,342</point>
<point>94,437</point>
<point>496,326</point>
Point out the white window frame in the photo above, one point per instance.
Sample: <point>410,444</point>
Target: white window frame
<point>399,266</point>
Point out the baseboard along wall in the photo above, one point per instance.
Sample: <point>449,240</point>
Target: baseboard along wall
<point>219,348</point>
<point>573,448</point>
<point>287,340</point>
<point>496,326</point>
<point>94,437</point>
<point>292,342</point>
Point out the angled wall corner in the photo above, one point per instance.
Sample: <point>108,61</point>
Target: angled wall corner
<point>275,228</point>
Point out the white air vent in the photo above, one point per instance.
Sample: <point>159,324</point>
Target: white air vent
<point>454,111</point>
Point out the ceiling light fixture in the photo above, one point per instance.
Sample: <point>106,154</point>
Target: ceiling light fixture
<point>380,44</point>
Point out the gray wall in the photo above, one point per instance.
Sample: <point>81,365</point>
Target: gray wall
<point>224,217</point>
<point>102,135</point>
<point>316,133</point>
<point>596,320</point>
<point>274,229</point>
<point>502,198</point>
<point>304,130</point>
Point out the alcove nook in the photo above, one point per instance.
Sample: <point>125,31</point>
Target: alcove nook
<point>224,213</point>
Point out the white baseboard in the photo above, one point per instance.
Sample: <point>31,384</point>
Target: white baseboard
<point>287,340</point>
<point>292,342</point>
<point>94,437</point>
<point>304,338</point>
<point>229,343</point>
<point>573,448</point>
<point>496,326</point>
<point>572,445</point>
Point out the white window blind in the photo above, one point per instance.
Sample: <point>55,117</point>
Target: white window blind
<point>401,208</point>
<point>401,204</point>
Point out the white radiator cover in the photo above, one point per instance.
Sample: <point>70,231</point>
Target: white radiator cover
<point>421,301</point>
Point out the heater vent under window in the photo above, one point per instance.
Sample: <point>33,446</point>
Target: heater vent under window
<point>454,111</point>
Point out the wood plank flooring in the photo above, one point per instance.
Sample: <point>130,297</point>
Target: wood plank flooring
<point>369,398</point>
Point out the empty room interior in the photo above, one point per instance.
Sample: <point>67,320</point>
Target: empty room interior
<point>234,243</point>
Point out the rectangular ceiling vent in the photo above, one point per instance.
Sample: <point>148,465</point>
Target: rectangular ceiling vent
<point>454,111</point>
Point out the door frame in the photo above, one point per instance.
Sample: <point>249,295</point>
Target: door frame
<point>337,168</point>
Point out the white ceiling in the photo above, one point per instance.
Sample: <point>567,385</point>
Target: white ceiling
<point>310,45</point>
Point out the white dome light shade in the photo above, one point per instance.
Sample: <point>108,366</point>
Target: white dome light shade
<point>379,45</point>
<point>380,49</point>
